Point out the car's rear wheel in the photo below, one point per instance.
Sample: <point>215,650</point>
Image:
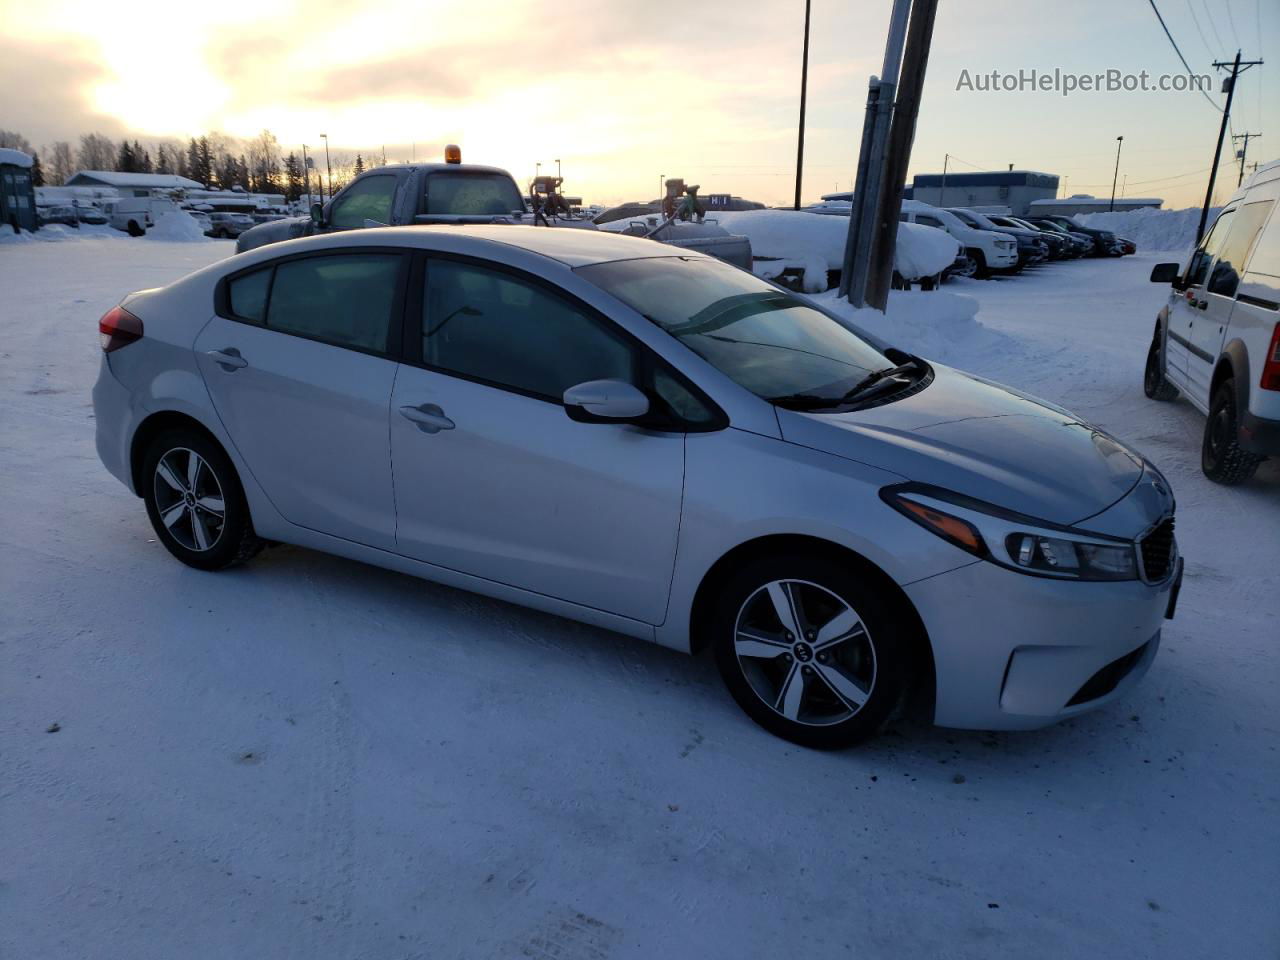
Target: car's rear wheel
<point>810,650</point>
<point>195,501</point>
<point>1221,456</point>
<point>1154,384</point>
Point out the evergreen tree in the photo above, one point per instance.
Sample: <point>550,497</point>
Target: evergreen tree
<point>226,172</point>
<point>292,177</point>
<point>206,162</point>
<point>242,173</point>
<point>125,160</point>
<point>194,168</point>
<point>359,164</point>
<point>141,159</point>
<point>37,173</point>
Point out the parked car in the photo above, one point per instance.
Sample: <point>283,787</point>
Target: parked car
<point>65,215</point>
<point>456,193</point>
<point>989,251</point>
<point>1058,246</point>
<point>267,216</point>
<point>87,213</point>
<point>1104,241</point>
<point>1217,339</point>
<point>202,220</point>
<point>1083,242</point>
<point>1031,249</point>
<point>226,225</point>
<point>1127,247</point>
<point>653,442</point>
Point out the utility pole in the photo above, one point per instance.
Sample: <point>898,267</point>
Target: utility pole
<point>915,60</point>
<point>1114,176</point>
<point>863,211</point>
<point>306,176</point>
<point>1229,85</point>
<point>557,168</point>
<point>662,179</point>
<point>1244,152</point>
<point>328,168</point>
<point>804,85</point>
<point>942,194</point>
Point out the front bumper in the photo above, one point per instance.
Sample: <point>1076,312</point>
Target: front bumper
<point>1016,652</point>
<point>1259,435</point>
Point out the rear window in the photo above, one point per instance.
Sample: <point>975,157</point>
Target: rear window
<point>471,195</point>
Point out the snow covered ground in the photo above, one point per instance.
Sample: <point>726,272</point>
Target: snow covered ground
<point>306,757</point>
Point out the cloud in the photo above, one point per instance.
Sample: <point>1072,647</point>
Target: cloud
<point>46,91</point>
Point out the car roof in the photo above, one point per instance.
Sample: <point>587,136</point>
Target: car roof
<point>571,246</point>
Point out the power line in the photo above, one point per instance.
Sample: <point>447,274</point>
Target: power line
<point>1196,20</point>
<point>1190,72</point>
<point>1232,20</point>
<point>1204,5</point>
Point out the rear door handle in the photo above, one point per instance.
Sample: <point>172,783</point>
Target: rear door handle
<point>228,359</point>
<point>427,417</point>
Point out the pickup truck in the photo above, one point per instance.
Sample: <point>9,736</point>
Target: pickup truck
<point>438,193</point>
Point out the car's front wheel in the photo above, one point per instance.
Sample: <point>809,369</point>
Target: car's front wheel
<point>195,501</point>
<point>1154,384</point>
<point>810,650</point>
<point>1221,456</point>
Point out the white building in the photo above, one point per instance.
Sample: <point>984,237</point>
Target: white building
<point>1083,203</point>
<point>133,184</point>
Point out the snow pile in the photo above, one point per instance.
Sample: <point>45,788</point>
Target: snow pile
<point>177,225</point>
<point>816,243</point>
<point>935,325</point>
<point>1151,229</point>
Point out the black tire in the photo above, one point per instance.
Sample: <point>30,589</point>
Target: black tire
<point>1222,458</point>
<point>980,269</point>
<point>873,665</point>
<point>228,540</point>
<point>1154,384</point>
<point>135,230</point>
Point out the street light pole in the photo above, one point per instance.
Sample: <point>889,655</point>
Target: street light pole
<point>804,85</point>
<point>328,169</point>
<point>557,168</point>
<point>661,179</point>
<point>306,175</point>
<point>1115,176</point>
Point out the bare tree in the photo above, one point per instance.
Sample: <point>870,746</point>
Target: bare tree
<point>264,161</point>
<point>97,152</point>
<point>61,163</point>
<point>15,141</point>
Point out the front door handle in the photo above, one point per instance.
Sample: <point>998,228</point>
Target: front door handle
<point>427,417</point>
<point>1202,304</point>
<point>228,359</point>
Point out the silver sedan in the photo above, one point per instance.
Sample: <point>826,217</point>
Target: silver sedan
<point>652,442</point>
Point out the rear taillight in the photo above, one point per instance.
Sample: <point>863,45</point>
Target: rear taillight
<point>118,328</point>
<point>1271,363</point>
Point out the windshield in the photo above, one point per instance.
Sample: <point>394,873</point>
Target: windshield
<point>769,341</point>
<point>471,195</point>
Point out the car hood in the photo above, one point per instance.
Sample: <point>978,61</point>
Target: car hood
<point>984,440</point>
<point>273,232</point>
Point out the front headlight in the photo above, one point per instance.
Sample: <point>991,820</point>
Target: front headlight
<point>1013,540</point>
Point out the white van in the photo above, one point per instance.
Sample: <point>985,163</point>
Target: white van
<point>988,251</point>
<point>1217,340</point>
<point>136,215</point>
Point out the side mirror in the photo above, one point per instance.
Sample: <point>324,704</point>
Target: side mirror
<point>605,401</point>
<point>1165,272</point>
<point>317,214</point>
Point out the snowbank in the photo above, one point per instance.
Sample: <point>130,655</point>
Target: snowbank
<point>803,239</point>
<point>1151,229</point>
<point>935,325</point>
<point>177,225</point>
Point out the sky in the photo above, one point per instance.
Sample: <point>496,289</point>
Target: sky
<point>623,92</point>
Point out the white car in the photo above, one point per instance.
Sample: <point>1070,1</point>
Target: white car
<point>1217,340</point>
<point>656,442</point>
<point>989,251</point>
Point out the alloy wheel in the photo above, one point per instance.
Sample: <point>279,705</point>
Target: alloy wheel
<point>189,499</point>
<point>805,652</point>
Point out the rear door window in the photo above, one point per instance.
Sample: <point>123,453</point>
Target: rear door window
<point>471,195</point>
<point>1198,270</point>
<point>342,299</point>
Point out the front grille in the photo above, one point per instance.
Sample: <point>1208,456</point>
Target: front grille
<point>1108,678</point>
<point>1159,550</point>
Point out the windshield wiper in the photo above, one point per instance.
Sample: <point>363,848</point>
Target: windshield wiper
<point>872,382</point>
